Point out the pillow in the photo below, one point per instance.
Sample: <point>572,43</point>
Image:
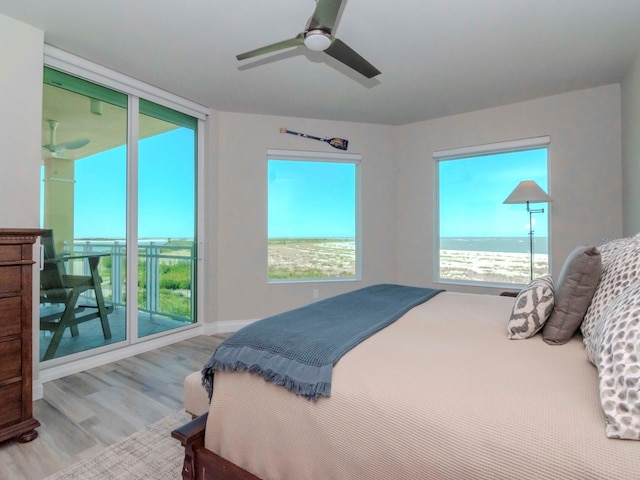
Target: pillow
<point>576,284</point>
<point>618,362</point>
<point>620,265</point>
<point>531,309</point>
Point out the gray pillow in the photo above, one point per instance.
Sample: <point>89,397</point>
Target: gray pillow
<point>576,284</point>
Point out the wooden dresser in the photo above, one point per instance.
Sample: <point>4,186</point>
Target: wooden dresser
<point>16,404</point>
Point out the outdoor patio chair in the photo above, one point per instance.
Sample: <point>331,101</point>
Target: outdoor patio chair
<point>58,288</point>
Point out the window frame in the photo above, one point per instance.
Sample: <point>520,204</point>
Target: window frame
<point>322,157</point>
<point>511,146</point>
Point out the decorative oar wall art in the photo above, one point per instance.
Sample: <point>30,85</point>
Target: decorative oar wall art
<point>339,143</point>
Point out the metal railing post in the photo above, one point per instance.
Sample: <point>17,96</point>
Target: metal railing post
<point>153,277</point>
<point>116,274</point>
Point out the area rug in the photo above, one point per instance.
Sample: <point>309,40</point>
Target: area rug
<point>148,454</point>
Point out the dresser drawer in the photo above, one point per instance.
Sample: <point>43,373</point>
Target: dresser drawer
<point>10,404</point>
<point>10,253</point>
<point>10,316</point>
<point>11,363</point>
<point>11,279</point>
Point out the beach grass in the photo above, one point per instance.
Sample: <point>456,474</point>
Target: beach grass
<point>311,258</point>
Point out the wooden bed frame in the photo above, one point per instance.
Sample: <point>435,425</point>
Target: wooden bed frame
<point>203,464</point>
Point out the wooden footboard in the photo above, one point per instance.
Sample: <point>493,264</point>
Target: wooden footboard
<point>203,464</point>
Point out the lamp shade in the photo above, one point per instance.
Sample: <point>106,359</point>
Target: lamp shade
<point>528,191</point>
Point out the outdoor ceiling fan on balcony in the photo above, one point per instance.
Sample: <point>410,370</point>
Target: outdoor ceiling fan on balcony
<point>58,149</point>
<point>318,36</point>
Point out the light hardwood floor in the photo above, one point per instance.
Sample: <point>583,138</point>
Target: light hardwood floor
<point>83,413</point>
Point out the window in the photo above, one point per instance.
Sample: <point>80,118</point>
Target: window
<point>481,239</point>
<point>312,216</point>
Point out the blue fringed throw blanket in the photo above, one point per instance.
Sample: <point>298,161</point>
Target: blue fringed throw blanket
<point>298,349</point>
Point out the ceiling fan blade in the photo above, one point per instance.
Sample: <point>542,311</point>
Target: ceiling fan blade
<point>61,156</point>
<point>345,54</point>
<point>325,14</point>
<point>274,47</point>
<point>72,144</point>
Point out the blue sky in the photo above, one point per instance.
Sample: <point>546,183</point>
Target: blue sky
<point>311,199</point>
<point>472,192</point>
<point>165,191</point>
<point>317,199</point>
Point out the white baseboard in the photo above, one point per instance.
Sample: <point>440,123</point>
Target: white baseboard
<point>38,390</point>
<point>226,326</point>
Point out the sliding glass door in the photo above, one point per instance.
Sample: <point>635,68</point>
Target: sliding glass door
<point>166,219</point>
<point>108,158</point>
<point>84,175</point>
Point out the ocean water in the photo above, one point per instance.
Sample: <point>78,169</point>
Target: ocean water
<point>495,244</point>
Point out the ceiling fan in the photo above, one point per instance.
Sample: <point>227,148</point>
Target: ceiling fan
<point>57,149</point>
<point>318,36</point>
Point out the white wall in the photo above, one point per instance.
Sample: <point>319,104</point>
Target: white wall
<point>631,149</point>
<point>21,49</point>
<point>584,171</point>
<point>242,215</point>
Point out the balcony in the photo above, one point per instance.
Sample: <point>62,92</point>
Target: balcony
<point>166,300</point>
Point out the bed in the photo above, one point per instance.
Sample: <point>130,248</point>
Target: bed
<point>443,392</point>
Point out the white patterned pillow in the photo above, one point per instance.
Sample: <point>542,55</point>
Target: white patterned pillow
<point>618,362</point>
<point>620,266</point>
<point>531,309</point>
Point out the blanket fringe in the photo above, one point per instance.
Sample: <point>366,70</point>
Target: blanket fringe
<point>312,391</point>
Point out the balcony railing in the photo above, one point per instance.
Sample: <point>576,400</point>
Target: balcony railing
<point>166,275</point>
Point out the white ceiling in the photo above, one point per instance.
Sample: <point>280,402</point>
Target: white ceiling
<point>437,57</point>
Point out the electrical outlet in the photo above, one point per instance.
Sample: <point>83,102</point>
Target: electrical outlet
<point>315,293</point>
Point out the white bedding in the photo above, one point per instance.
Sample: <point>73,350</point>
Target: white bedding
<point>440,394</point>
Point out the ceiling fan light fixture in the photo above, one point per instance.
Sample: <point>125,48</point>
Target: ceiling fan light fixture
<point>318,36</point>
<point>317,40</point>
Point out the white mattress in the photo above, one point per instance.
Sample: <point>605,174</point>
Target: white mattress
<point>440,394</point>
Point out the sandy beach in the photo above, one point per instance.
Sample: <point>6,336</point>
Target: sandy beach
<point>491,267</point>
